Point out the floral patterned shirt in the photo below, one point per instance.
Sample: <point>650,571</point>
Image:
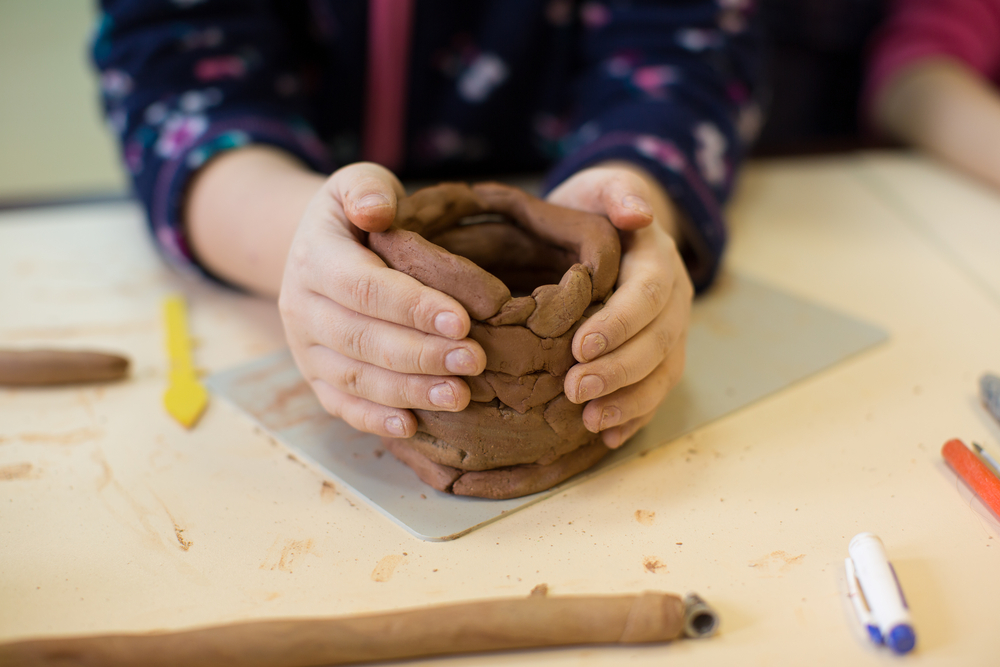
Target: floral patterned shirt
<point>493,86</point>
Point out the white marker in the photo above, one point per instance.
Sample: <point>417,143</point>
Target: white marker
<point>860,605</point>
<point>882,592</point>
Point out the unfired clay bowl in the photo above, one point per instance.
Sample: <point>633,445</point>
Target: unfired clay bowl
<point>528,273</point>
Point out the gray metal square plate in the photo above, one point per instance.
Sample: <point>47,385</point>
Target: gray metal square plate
<point>746,341</point>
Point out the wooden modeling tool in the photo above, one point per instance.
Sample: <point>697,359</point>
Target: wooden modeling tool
<point>186,397</point>
<point>471,627</point>
<point>36,368</point>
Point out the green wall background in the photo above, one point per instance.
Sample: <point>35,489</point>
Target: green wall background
<point>53,142</point>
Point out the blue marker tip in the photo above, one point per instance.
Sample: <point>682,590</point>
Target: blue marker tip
<point>875,634</point>
<point>901,639</point>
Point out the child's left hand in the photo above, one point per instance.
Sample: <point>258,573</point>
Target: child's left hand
<point>631,353</point>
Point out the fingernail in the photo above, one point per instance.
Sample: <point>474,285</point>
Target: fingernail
<point>448,324</point>
<point>460,362</point>
<point>589,387</point>
<point>442,395</point>
<point>395,426</point>
<point>610,416</point>
<point>593,346</point>
<point>374,200</point>
<point>637,204</point>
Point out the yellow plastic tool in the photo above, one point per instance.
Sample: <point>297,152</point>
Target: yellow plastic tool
<point>186,398</point>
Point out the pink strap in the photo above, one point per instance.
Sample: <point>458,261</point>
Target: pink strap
<point>389,31</point>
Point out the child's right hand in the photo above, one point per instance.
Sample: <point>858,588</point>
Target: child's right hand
<point>371,341</point>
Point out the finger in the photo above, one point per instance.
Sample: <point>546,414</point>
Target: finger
<point>616,192</point>
<point>387,345</point>
<point>636,399</point>
<point>368,193</point>
<point>397,390</point>
<point>631,362</point>
<point>646,283</point>
<point>363,414</point>
<point>361,282</point>
<point>625,199</point>
<point>614,438</point>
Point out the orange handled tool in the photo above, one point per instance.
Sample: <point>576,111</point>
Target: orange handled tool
<point>974,472</point>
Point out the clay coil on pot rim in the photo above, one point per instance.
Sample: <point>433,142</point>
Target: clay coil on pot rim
<point>520,434</point>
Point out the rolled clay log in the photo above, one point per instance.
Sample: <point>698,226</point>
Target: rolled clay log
<point>494,436</point>
<point>471,627</point>
<point>510,253</point>
<point>517,350</point>
<point>479,292</point>
<point>520,434</point>
<point>589,237</point>
<point>518,392</point>
<point>515,311</point>
<point>27,368</point>
<point>432,210</point>
<point>559,307</point>
<point>499,483</point>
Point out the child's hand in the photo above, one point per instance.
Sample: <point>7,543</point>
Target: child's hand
<point>632,352</point>
<point>371,341</point>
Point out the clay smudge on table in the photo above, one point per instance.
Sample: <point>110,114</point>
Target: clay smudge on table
<point>290,406</point>
<point>179,534</point>
<point>645,517</point>
<point>74,437</point>
<point>286,556</point>
<point>283,396</point>
<point>113,493</point>
<point>84,398</point>
<point>183,542</point>
<point>262,375</point>
<point>776,561</point>
<point>652,564</point>
<point>541,590</point>
<point>295,459</point>
<point>17,471</point>
<point>327,492</point>
<point>386,567</point>
<point>106,475</point>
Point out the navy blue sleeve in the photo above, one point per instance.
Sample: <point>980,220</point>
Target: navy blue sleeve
<point>670,87</point>
<point>183,80</point>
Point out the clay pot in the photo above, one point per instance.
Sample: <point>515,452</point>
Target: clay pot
<point>528,273</point>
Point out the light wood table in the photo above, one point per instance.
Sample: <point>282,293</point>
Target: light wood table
<point>113,518</point>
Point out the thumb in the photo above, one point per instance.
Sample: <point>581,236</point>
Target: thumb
<point>368,193</point>
<point>625,204</point>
